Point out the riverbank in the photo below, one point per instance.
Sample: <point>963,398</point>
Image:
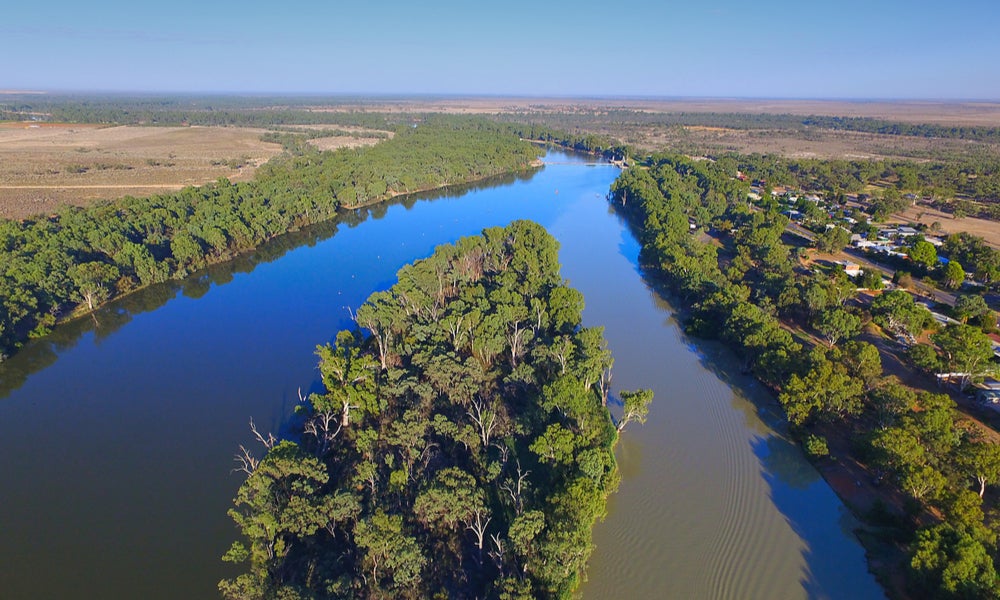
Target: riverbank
<point>694,517</point>
<point>850,480</point>
<point>858,489</point>
<point>55,265</point>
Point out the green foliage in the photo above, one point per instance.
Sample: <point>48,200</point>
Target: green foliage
<point>971,251</point>
<point>635,407</point>
<point>952,563</point>
<point>953,275</point>
<point>815,446</point>
<point>51,265</point>
<point>911,440</point>
<point>825,389</point>
<point>969,307</point>
<point>870,279</point>
<point>838,324</point>
<point>964,349</point>
<point>461,445</point>
<point>923,253</point>
<point>834,239</point>
<point>896,310</point>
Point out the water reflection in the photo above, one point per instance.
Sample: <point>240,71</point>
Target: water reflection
<point>118,486</point>
<point>41,353</point>
<point>725,506</point>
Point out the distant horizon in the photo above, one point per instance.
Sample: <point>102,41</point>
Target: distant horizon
<point>775,49</point>
<point>482,95</point>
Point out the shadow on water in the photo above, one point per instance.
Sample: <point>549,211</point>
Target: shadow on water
<point>797,489</point>
<point>43,352</point>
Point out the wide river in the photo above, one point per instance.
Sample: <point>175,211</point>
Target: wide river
<point>118,431</point>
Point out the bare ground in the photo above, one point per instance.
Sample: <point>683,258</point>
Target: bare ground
<point>988,230</point>
<point>45,166</point>
<point>945,113</point>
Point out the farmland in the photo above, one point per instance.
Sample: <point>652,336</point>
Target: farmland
<point>47,165</point>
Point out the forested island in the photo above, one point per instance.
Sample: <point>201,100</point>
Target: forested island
<point>62,264</point>
<point>461,446</point>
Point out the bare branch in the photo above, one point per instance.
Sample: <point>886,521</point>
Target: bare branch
<point>268,442</point>
<point>246,462</point>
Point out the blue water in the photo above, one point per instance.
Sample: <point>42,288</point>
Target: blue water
<point>118,432</point>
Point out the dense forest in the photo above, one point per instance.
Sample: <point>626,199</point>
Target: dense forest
<point>626,118</point>
<point>268,111</point>
<point>806,335</point>
<point>191,110</point>
<point>888,180</point>
<point>461,446</point>
<point>78,258</point>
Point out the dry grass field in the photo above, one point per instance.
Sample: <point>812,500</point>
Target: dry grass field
<point>43,166</point>
<point>988,230</point>
<point>814,143</point>
<point>824,144</point>
<point>944,113</point>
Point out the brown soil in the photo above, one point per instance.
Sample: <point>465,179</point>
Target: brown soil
<point>988,230</point>
<point>946,113</point>
<point>340,141</point>
<point>43,166</point>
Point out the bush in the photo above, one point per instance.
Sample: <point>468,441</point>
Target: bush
<point>815,446</point>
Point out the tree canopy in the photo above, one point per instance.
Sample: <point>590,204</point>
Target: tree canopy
<point>80,257</point>
<point>461,445</point>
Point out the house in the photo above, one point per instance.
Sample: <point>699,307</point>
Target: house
<point>904,231</point>
<point>943,319</point>
<point>880,245</point>
<point>852,269</point>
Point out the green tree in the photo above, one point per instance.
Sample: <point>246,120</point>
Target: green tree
<point>863,361</point>
<point>836,324</point>
<point>953,275</point>
<point>94,281</point>
<point>871,279</point>
<point>393,557</point>
<point>890,400</point>
<point>824,389</point>
<point>951,563</point>
<point>970,307</point>
<point>834,239</point>
<point>965,350</point>
<point>276,506</point>
<point>980,461</point>
<point>895,310</point>
<point>635,407</point>
<point>923,253</point>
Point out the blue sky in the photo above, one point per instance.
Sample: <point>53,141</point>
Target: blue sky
<point>723,48</point>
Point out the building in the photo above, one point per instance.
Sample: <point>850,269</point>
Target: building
<point>852,269</point>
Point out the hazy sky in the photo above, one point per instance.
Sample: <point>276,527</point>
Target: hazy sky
<point>769,48</point>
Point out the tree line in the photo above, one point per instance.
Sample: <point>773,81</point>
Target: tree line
<point>78,258</point>
<point>460,447</point>
<point>797,331</point>
<point>972,178</point>
<point>886,127</point>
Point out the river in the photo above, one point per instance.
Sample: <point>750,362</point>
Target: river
<point>118,431</point>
